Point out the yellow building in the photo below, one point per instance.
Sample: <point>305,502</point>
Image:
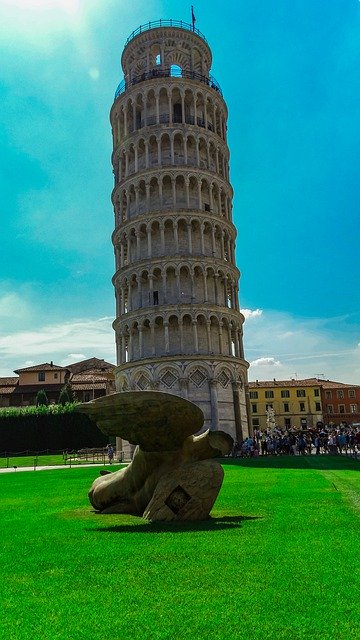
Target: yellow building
<point>294,403</point>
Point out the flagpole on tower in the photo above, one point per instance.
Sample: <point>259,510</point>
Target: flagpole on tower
<point>193,19</point>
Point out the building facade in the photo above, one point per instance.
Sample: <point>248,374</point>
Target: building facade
<point>341,403</point>
<point>89,379</point>
<point>178,324</point>
<point>303,404</point>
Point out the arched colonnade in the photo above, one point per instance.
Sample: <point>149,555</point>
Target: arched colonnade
<point>170,236</point>
<point>175,148</point>
<point>175,284</point>
<point>179,334</point>
<point>172,191</point>
<point>171,103</point>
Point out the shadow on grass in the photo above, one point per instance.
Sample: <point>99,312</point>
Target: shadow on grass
<point>322,462</point>
<point>212,524</point>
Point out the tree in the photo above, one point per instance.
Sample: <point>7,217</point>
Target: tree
<point>66,394</point>
<point>41,398</point>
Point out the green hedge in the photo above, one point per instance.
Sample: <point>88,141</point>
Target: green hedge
<point>40,428</point>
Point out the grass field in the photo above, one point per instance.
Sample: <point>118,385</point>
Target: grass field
<point>278,560</point>
<point>10,462</point>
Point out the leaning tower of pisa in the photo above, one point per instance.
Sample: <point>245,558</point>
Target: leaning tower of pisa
<point>178,324</point>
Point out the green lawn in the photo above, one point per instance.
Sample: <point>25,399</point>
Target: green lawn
<point>278,560</point>
<point>11,462</point>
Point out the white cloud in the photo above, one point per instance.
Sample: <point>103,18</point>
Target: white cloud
<point>249,313</point>
<point>12,305</point>
<point>302,347</point>
<point>76,340</point>
<point>261,362</point>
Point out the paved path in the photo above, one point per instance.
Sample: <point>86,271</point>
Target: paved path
<point>60,466</point>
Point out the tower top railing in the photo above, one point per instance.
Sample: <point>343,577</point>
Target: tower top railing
<point>178,24</point>
<point>210,81</point>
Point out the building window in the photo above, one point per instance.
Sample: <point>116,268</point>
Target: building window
<point>269,406</point>
<point>255,422</point>
<point>269,394</point>
<point>341,408</point>
<point>287,422</point>
<point>351,393</point>
<point>286,407</point>
<point>155,297</point>
<point>56,375</point>
<point>300,393</point>
<point>254,408</point>
<point>316,392</point>
<point>253,395</point>
<point>330,408</point>
<point>328,395</point>
<point>87,396</point>
<point>353,408</point>
<point>285,393</point>
<point>317,406</point>
<point>41,376</point>
<point>302,406</point>
<point>340,394</point>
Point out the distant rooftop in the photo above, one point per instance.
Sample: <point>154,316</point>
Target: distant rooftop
<point>307,382</point>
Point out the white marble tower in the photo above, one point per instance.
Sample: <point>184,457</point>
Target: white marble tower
<point>178,323</point>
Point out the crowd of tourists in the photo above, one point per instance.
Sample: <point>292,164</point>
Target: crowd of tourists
<point>328,440</point>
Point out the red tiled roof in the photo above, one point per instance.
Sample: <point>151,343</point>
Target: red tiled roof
<point>46,366</point>
<point>90,364</point>
<point>307,382</point>
<point>78,386</point>
<point>10,380</point>
<point>88,377</point>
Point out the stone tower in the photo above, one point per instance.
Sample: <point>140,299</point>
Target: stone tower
<point>178,324</point>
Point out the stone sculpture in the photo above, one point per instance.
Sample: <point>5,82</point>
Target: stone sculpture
<point>171,476</point>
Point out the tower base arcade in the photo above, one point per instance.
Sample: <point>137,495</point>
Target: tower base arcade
<point>216,385</point>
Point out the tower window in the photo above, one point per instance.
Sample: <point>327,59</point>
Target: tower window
<point>175,71</point>
<point>155,297</point>
<point>158,59</point>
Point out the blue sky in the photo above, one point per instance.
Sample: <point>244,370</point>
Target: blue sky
<point>289,71</point>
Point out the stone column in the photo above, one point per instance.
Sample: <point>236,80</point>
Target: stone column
<point>208,336</point>
<point>140,290</point>
<point>176,237</point>
<point>214,405</point>
<point>140,342</point>
<point>195,336</point>
<point>152,334</point>
<point>202,240</point>
<point>138,240</point>
<point>206,297</point>
<point>188,224</point>
<point>122,251</point>
<point>157,108</point>
<point>173,186</point>
<point>183,382</point>
<point>136,159</point>
<point>181,329</point>
<point>162,237</point>
<point>220,338</point>
<point>164,287</point>
<point>172,154</point>
<point>166,334</point>
<point>148,230</point>
<point>236,386</point>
